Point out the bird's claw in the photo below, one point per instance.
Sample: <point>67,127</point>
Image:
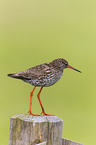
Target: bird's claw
<point>30,113</point>
<point>46,114</point>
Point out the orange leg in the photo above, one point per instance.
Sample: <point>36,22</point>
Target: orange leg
<point>31,94</point>
<point>43,111</point>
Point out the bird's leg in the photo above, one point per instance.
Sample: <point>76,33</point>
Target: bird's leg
<point>43,111</point>
<point>31,94</point>
<point>38,95</point>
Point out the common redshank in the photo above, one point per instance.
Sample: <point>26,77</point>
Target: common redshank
<point>43,75</point>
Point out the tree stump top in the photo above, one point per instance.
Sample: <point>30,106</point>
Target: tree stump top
<point>41,118</point>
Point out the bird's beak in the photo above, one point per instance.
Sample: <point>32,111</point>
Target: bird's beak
<point>68,66</point>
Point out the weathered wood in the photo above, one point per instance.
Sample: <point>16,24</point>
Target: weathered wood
<point>37,142</point>
<point>25,129</point>
<point>69,142</point>
<point>43,143</point>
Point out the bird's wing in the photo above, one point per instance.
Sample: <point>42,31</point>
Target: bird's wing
<point>36,72</point>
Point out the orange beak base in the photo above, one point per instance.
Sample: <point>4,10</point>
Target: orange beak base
<point>68,66</point>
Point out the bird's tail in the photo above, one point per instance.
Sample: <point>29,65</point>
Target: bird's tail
<point>15,76</point>
<point>18,76</point>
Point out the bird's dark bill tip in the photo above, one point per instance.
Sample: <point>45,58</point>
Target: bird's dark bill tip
<point>80,71</point>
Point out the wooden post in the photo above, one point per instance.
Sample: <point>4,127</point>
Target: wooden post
<point>37,130</point>
<point>69,142</point>
<point>32,130</point>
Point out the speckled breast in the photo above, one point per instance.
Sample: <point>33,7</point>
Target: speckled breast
<point>47,80</point>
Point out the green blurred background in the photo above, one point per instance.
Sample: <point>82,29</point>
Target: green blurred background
<point>34,32</point>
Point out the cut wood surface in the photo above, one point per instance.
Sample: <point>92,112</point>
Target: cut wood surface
<point>32,130</point>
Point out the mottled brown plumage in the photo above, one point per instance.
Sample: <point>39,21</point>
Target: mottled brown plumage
<point>43,75</point>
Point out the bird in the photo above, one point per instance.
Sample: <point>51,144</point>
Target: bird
<point>43,75</point>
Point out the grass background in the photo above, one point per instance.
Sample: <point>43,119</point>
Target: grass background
<point>34,32</point>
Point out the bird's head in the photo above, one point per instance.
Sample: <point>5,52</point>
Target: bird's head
<point>62,64</point>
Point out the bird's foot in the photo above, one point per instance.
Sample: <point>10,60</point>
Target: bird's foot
<point>46,114</point>
<point>30,113</point>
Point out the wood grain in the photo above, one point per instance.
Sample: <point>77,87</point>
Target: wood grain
<point>26,129</point>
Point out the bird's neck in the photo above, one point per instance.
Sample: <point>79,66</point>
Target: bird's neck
<point>57,66</point>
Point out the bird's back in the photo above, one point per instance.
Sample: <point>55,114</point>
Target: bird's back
<point>41,75</point>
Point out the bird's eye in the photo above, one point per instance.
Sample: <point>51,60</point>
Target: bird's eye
<point>63,62</point>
